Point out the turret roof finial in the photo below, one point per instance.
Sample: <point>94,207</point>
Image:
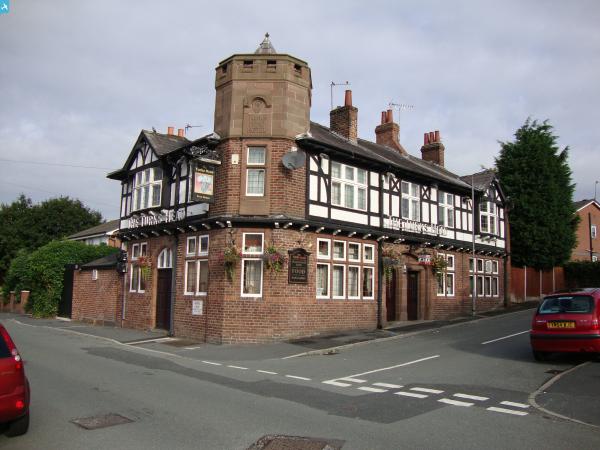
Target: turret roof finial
<point>265,46</point>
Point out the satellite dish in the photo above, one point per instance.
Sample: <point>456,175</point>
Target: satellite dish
<point>293,159</point>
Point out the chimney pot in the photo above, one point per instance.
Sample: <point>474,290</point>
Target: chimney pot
<point>425,138</point>
<point>431,137</point>
<point>390,116</point>
<point>180,132</point>
<point>383,117</point>
<point>170,130</point>
<point>437,135</point>
<point>348,98</point>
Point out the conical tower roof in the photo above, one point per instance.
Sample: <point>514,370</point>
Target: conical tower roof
<point>265,47</point>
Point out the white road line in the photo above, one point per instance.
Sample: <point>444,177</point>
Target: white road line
<point>147,341</point>
<point>336,383</point>
<point>238,367</point>
<point>391,367</point>
<point>371,389</point>
<point>516,405</point>
<point>428,391</point>
<point>455,402</point>
<point>191,348</point>
<point>505,337</point>
<point>388,385</point>
<point>507,411</point>
<point>267,372</point>
<point>411,394</point>
<point>352,380</point>
<point>298,378</point>
<point>471,397</point>
<point>212,363</point>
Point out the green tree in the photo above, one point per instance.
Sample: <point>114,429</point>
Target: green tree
<point>536,177</point>
<point>25,226</point>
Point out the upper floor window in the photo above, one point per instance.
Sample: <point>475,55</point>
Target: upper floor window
<point>348,186</point>
<point>488,217</point>
<point>147,188</point>
<point>410,201</point>
<point>446,209</point>
<point>255,171</point>
<point>593,231</point>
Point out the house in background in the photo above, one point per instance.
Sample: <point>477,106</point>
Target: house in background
<point>588,247</point>
<point>105,233</point>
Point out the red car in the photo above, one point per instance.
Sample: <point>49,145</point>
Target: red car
<point>567,322</point>
<point>14,387</point>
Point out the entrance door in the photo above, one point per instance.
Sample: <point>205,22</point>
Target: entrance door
<point>412,295</point>
<point>390,297</point>
<point>66,300</point>
<point>163,299</point>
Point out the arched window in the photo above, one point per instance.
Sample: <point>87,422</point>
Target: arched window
<point>165,259</point>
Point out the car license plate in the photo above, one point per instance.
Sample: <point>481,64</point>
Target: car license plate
<point>563,324</point>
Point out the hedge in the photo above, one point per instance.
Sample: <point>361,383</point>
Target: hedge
<point>42,272</point>
<point>582,274</point>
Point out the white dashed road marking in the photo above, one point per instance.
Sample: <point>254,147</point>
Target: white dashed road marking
<point>238,367</point>
<point>212,363</point>
<point>388,385</point>
<point>391,367</point>
<point>516,405</point>
<point>371,389</point>
<point>336,383</point>
<point>411,394</point>
<point>267,372</point>
<point>471,397</point>
<point>428,391</point>
<point>298,378</point>
<point>507,411</point>
<point>455,402</point>
<point>353,380</point>
<point>505,337</point>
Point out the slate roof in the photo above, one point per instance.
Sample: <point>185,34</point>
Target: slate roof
<point>106,262</point>
<point>163,144</point>
<point>383,155</point>
<point>581,203</point>
<point>481,180</point>
<point>103,228</point>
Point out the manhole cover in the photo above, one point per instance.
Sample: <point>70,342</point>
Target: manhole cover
<point>95,422</point>
<point>554,371</point>
<point>272,442</point>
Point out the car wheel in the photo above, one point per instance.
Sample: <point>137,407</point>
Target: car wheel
<point>19,426</point>
<point>540,356</point>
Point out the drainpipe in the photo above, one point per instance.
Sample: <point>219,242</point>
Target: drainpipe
<point>125,275</point>
<point>379,282</point>
<point>590,233</point>
<point>173,287</point>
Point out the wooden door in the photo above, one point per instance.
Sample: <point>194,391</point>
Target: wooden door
<point>412,295</point>
<point>390,297</point>
<point>163,299</point>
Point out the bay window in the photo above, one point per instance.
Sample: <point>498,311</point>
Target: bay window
<point>147,188</point>
<point>488,217</point>
<point>348,186</point>
<point>255,171</point>
<point>410,201</point>
<point>446,209</point>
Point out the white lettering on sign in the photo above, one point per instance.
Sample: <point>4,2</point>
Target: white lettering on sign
<point>165,216</point>
<point>411,226</point>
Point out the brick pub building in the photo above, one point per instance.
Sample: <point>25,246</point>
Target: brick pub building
<point>359,223</point>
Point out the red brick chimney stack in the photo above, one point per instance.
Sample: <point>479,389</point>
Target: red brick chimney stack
<point>433,149</point>
<point>388,132</point>
<point>343,120</point>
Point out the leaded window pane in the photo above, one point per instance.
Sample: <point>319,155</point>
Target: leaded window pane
<point>336,170</point>
<point>338,281</point>
<point>322,280</point>
<point>336,193</point>
<point>256,182</point>
<point>252,277</point>
<point>190,285</point>
<point>349,196</point>
<point>361,198</point>
<point>203,276</point>
<point>353,281</point>
<point>256,155</point>
<point>361,176</point>
<point>367,282</point>
<point>349,173</point>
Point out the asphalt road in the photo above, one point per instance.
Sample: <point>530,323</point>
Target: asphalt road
<point>463,387</point>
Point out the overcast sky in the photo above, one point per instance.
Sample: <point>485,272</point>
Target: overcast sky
<point>80,79</point>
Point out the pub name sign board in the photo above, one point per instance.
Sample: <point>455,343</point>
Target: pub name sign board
<point>298,266</point>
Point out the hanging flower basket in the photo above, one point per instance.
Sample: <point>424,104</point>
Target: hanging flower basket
<point>391,259</point>
<point>274,259</point>
<point>230,258</point>
<point>144,263</point>
<point>438,264</point>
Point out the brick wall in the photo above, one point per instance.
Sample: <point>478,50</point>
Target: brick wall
<point>98,300</point>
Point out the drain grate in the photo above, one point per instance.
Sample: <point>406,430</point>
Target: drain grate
<point>106,420</point>
<point>554,371</point>
<point>277,442</point>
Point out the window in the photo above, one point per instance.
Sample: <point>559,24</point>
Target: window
<point>471,265</point>
<point>252,268</point>
<point>196,277</point>
<point>137,283</point>
<point>339,250</point>
<point>410,201</point>
<point>593,231</point>
<point>94,274</point>
<point>488,266</point>
<point>353,251</point>
<point>353,281</point>
<point>203,245</point>
<point>480,286</point>
<point>348,186</point>
<point>449,284</point>
<point>338,281</point>
<point>322,282</point>
<point>446,210</point>
<point>190,277</point>
<point>450,261</point>
<point>488,217</point>
<point>323,248</point>
<point>143,248</point>
<point>494,266</point>
<point>165,259</point>
<point>488,286</point>
<point>495,286</point>
<point>480,265</point>
<point>255,176</point>
<point>191,246</point>
<point>369,253</point>
<point>445,279</point>
<point>367,283</point>
<point>253,243</point>
<point>147,188</point>
<point>594,258</point>
<point>135,251</point>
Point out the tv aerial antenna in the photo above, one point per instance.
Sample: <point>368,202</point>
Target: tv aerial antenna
<point>333,84</point>
<point>400,107</point>
<point>188,126</point>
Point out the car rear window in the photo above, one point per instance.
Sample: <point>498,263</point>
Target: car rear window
<point>4,352</point>
<point>569,304</point>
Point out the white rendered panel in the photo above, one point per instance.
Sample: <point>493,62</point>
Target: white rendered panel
<point>375,201</point>
<point>395,206</point>
<point>323,191</point>
<point>386,204</point>
<point>434,215</point>
<point>460,236</point>
<point>347,216</point>
<point>425,213</point>
<point>313,165</point>
<point>434,194</point>
<point>374,178</point>
<point>314,187</point>
<point>325,166</point>
<point>375,221</point>
<point>316,210</point>
<point>464,220</point>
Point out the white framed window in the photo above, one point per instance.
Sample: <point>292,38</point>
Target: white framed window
<point>471,265</point>
<point>338,281</point>
<point>339,250</point>
<point>446,209</point>
<point>479,265</point>
<point>445,279</point>
<point>253,243</point>
<point>191,246</point>
<point>147,188</point>
<point>470,285</point>
<point>353,251</point>
<point>449,284</point>
<point>135,251</point>
<point>488,286</point>
<point>255,171</point>
<point>252,269</point>
<point>439,278</point>
<point>191,275</point>
<point>488,217</point>
<point>94,274</point>
<point>348,186</point>
<point>202,277</point>
<point>367,283</point>
<point>479,286</point>
<point>143,249</point>
<point>353,282</point>
<point>323,248</point>
<point>137,283</point>
<point>494,266</point>
<point>322,281</point>
<point>593,231</point>
<point>368,253</point>
<point>488,266</point>
<point>203,245</point>
<point>410,206</point>
<point>495,291</point>
<point>450,261</point>
<point>165,259</point>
